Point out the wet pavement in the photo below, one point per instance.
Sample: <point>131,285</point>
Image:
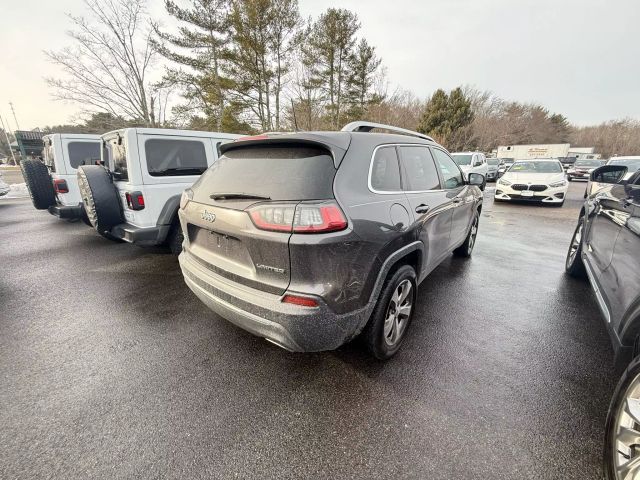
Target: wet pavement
<point>111,368</point>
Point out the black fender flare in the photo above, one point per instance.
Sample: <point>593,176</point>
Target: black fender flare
<point>169,211</point>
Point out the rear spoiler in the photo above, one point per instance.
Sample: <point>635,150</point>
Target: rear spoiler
<point>336,143</point>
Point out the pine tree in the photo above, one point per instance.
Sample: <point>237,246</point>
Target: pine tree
<point>326,52</point>
<point>363,65</point>
<point>199,48</point>
<point>445,116</point>
<point>263,38</point>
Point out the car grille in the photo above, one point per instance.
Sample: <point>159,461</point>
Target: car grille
<point>533,188</point>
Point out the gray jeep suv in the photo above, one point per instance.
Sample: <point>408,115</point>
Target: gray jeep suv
<point>309,239</point>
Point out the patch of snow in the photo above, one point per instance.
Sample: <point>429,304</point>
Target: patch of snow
<point>17,190</point>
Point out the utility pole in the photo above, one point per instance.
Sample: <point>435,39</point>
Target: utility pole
<point>14,116</point>
<point>4,129</point>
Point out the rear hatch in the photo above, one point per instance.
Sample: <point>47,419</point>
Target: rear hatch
<point>247,205</point>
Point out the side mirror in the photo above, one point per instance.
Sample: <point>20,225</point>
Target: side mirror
<point>477,179</point>
<point>608,174</point>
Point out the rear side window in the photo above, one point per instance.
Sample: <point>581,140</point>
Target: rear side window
<point>277,172</point>
<point>47,156</point>
<point>114,154</point>
<point>83,153</point>
<point>385,171</point>
<point>418,170</point>
<point>450,172</point>
<point>168,157</point>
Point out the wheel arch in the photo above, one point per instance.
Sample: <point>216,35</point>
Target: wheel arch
<point>169,211</point>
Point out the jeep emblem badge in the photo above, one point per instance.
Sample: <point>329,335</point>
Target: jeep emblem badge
<point>208,216</point>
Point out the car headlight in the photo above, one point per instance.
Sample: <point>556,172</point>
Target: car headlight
<point>571,170</point>
<point>186,197</point>
<point>504,182</point>
<point>561,183</point>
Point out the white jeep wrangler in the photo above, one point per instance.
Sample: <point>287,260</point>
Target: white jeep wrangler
<point>52,182</point>
<point>136,195</point>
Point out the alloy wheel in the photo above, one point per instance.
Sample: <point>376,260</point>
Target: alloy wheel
<point>575,245</point>
<point>398,313</point>
<point>626,434</point>
<point>472,237</point>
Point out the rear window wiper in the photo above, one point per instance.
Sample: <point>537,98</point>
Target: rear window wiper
<point>238,196</point>
<point>169,171</point>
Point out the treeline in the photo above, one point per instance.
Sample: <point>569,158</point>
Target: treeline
<point>247,66</point>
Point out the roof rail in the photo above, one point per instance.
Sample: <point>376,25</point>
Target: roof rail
<point>368,126</point>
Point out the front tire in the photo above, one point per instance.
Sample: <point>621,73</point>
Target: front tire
<point>621,457</point>
<point>392,314</point>
<point>466,249</point>
<point>574,265</point>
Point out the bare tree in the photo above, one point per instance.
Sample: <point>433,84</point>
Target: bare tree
<point>107,68</point>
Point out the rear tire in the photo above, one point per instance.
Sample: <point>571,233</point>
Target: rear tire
<point>619,418</point>
<point>100,199</point>
<point>574,265</point>
<point>38,180</point>
<point>466,249</point>
<point>175,238</point>
<point>392,315</point>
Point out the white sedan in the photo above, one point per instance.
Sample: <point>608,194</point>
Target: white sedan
<point>538,180</point>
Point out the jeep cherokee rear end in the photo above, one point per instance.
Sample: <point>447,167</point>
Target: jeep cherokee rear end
<point>286,237</point>
<point>265,237</point>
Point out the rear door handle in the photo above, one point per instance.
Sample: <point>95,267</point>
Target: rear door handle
<point>422,208</point>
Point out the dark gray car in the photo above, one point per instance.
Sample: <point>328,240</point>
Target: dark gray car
<point>309,239</point>
<point>606,249</point>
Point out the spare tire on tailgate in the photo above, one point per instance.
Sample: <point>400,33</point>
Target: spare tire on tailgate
<point>36,176</point>
<point>100,198</point>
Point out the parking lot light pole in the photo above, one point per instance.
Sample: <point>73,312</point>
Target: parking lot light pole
<point>4,129</point>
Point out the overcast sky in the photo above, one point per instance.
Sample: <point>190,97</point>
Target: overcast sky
<point>580,58</point>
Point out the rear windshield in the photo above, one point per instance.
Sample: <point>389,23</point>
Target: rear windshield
<point>463,159</point>
<point>276,172</point>
<point>83,153</point>
<point>588,163</point>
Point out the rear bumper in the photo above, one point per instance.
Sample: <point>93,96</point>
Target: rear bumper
<point>66,211</point>
<point>144,236</point>
<point>295,328</point>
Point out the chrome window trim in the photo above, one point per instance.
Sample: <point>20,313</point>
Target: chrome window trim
<point>397,192</point>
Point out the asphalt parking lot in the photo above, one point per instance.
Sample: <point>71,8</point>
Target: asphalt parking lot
<point>111,368</point>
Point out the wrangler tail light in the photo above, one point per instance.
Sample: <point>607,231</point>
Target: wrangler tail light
<point>300,218</point>
<point>135,200</point>
<point>60,186</point>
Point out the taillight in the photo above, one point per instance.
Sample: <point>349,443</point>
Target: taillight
<point>301,218</point>
<point>300,301</point>
<point>60,186</point>
<point>135,200</point>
